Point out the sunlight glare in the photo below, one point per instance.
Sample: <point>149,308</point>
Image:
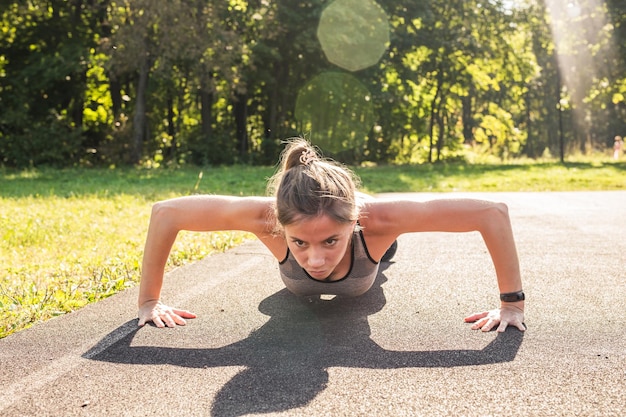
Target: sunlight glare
<point>575,25</point>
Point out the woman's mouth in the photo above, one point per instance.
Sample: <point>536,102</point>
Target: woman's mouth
<point>318,274</point>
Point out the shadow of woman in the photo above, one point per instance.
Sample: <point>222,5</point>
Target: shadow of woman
<point>287,359</point>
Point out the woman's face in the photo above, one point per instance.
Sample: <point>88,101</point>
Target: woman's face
<point>319,244</point>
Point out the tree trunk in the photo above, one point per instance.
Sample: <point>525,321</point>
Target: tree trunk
<point>171,128</point>
<point>139,120</point>
<point>441,123</point>
<point>468,118</point>
<point>273,114</point>
<point>77,104</point>
<point>434,108</point>
<point>206,114</point>
<point>240,109</point>
<point>431,131</point>
<point>115,90</point>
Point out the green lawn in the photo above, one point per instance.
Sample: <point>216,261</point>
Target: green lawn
<point>74,236</point>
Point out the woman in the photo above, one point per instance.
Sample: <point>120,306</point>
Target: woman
<point>327,237</point>
<point>618,144</point>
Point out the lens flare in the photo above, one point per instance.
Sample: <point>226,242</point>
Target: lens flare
<point>354,34</point>
<point>336,111</point>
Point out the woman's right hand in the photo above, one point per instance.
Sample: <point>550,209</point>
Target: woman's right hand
<point>162,315</point>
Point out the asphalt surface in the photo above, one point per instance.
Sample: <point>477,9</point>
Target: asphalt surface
<point>400,350</point>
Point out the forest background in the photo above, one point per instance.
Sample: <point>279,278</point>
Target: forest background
<point>110,83</point>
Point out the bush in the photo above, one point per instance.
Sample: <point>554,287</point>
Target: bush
<point>45,143</point>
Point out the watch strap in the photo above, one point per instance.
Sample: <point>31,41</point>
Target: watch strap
<point>511,297</point>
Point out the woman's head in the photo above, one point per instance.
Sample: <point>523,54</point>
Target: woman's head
<point>308,186</point>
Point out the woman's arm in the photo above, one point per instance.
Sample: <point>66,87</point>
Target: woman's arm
<point>386,220</point>
<point>193,213</point>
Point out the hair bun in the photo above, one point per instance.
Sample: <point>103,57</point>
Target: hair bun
<point>307,157</point>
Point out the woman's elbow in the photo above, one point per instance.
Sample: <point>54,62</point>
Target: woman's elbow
<point>498,216</point>
<point>163,215</point>
<point>158,210</point>
<point>502,209</point>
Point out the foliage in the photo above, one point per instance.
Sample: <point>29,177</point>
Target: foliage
<point>165,83</point>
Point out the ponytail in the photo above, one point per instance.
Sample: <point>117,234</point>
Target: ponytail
<point>306,185</point>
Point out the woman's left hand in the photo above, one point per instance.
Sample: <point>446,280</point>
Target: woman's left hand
<point>501,317</point>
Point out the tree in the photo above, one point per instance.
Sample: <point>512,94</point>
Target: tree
<point>45,57</point>
<point>221,82</point>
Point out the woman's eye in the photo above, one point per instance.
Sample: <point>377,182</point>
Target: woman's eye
<point>331,242</point>
<point>298,243</point>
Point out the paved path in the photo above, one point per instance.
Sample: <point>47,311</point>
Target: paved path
<point>400,350</point>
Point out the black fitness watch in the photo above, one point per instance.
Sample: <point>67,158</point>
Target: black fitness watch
<point>511,297</point>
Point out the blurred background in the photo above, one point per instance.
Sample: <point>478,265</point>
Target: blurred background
<point>207,82</point>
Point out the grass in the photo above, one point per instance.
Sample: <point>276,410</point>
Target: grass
<point>572,176</point>
<point>75,236</point>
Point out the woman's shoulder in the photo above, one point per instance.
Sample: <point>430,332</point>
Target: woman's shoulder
<point>387,215</point>
<point>375,215</point>
<point>248,213</point>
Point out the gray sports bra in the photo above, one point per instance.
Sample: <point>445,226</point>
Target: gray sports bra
<point>360,277</point>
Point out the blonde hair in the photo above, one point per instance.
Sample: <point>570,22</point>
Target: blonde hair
<point>307,185</point>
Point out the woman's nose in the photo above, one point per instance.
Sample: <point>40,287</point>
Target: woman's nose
<point>316,259</point>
